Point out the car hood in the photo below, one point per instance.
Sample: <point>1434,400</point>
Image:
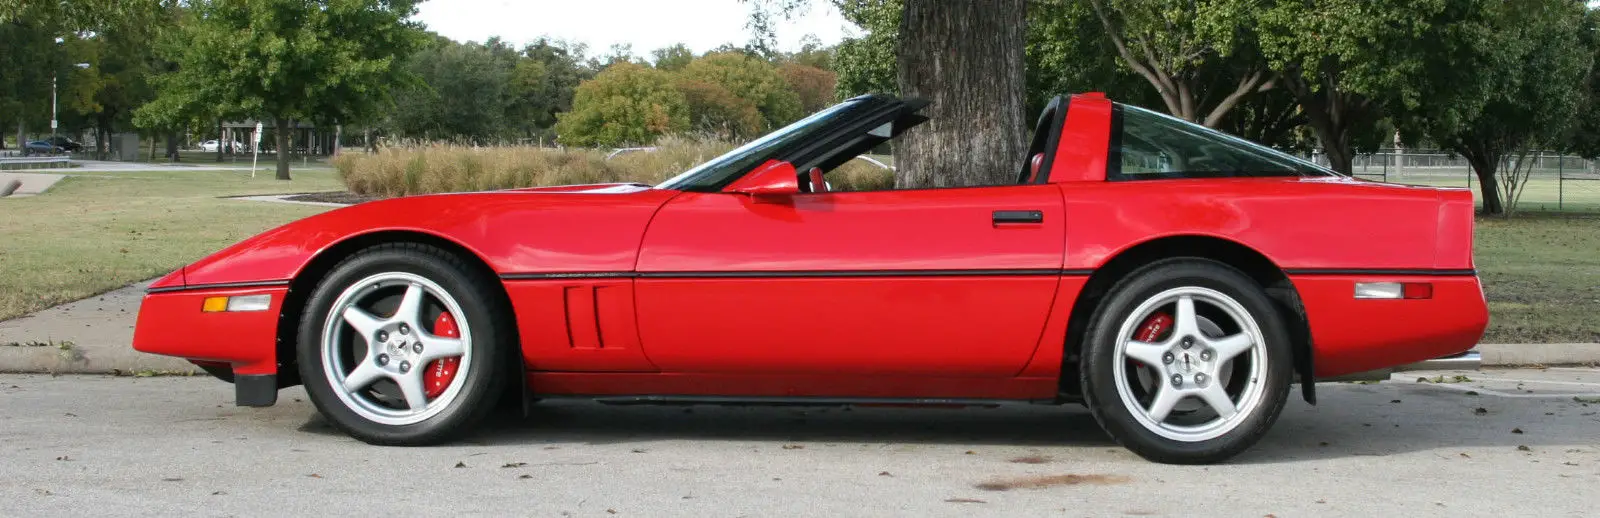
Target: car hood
<point>598,188</point>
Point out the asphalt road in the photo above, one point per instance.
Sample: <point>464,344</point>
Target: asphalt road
<point>91,446</point>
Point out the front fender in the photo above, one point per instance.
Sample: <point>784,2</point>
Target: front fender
<point>575,232</point>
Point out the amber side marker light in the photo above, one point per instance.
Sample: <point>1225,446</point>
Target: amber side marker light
<point>1394,290</point>
<point>236,304</point>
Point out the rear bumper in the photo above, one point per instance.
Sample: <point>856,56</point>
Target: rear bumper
<point>1353,335</point>
<point>171,323</point>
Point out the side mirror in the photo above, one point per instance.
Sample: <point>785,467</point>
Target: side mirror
<point>775,177</point>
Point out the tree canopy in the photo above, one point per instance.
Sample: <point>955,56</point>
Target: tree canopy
<point>328,61</point>
<point>625,104</point>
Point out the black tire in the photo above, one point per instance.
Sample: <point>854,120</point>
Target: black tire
<point>1099,360</point>
<point>484,313</point>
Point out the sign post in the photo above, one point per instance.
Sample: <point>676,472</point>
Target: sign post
<point>255,150</point>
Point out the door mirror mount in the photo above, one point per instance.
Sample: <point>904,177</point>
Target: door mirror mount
<point>776,177</point>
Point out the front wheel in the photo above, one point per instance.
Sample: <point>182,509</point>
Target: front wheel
<point>404,345</point>
<point>1187,361</point>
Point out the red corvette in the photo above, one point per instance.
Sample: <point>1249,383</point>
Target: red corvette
<point>1175,280</point>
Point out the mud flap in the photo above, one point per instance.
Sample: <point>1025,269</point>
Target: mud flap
<point>255,390</point>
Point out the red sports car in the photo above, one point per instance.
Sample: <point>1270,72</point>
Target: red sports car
<point>1175,280</point>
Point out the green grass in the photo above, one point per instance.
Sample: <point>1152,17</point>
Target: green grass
<point>88,235</point>
<point>1540,194</point>
<point>1541,273</point>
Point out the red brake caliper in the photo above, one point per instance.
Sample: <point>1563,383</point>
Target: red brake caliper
<point>439,373</point>
<point>1154,328</point>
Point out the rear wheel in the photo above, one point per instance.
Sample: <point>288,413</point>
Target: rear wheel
<point>400,345</point>
<point>1187,361</point>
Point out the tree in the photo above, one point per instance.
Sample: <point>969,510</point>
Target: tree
<point>716,111</point>
<point>122,58</point>
<point>672,58</point>
<point>814,86</point>
<point>463,91</point>
<point>966,57</point>
<point>1181,48</point>
<point>329,61</point>
<point>1348,63</point>
<point>812,53</point>
<point>1541,59</point>
<point>543,84</point>
<point>751,79</point>
<point>866,64</point>
<point>1583,137</point>
<point>1068,52</point>
<point>625,104</point>
<point>27,54</point>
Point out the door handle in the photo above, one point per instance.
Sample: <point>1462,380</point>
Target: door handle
<point>1018,217</point>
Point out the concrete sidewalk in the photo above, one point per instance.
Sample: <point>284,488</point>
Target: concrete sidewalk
<point>91,336</point>
<point>32,183</point>
<point>94,336</point>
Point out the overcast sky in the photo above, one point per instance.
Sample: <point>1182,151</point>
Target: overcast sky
<point>646,24</point>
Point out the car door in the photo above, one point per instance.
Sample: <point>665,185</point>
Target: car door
<point>946,282</point>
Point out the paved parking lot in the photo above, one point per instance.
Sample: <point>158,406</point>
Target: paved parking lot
<point>1508,442</point>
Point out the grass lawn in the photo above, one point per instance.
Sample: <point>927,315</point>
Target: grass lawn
<point>1541,273</point>
<point>88,235</point>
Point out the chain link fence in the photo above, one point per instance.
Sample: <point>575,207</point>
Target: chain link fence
<point>1555,182</point>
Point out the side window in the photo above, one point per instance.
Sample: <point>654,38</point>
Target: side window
<point>1146,144</point>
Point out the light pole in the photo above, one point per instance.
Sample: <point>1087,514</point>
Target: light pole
<point>53,122</point>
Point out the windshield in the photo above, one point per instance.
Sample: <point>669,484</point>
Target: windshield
<point>1155,145</point>
<point>719,171</point>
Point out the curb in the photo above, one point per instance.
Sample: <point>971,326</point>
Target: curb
<point>1503,355</point>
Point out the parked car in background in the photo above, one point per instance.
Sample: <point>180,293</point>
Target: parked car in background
<point>210,146</point>
<point>40,147</point>
<point>65,144</point>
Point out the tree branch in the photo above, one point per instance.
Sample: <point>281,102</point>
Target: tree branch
<point>1247,85</point>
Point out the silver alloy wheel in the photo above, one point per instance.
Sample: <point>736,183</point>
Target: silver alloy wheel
<point>1192,363</point>
<point>397,347</point>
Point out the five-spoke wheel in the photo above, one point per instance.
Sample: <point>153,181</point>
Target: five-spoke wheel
<point>379,358</point>
<point>402,344</point>
<point>1186,361</point>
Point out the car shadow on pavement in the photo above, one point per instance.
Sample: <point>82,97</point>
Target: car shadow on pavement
<point>593,423</point>
<point>1350,421</point>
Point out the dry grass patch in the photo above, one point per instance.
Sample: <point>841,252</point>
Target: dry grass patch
<point>435,168</point>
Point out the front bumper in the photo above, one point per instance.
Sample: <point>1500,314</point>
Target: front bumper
<point>171,323</point>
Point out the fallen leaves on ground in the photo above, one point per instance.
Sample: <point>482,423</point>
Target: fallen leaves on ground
<point>1044,481</point>
<point>1031,459</point>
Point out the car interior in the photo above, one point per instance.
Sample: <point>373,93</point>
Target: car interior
<point>831,156</point>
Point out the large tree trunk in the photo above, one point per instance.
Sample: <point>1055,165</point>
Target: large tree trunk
<point>22,137</point>
<point>1331,115</point>
<point>1485,164</point>
<point>283,148</point>
<point>965,56</point>
<point>219,140</point>
<point>172,146</point>
<point>102,134</point>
